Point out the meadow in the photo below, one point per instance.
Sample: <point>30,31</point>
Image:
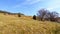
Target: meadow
<point>10,24</point>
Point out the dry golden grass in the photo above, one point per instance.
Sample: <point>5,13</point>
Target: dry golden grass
<point>25,25</point>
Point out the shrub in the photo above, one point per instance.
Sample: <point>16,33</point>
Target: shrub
<point>34,17</point>
<point>19,15</point>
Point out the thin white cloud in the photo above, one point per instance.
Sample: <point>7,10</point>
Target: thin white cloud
<point>29,2</point>
<point>49,8</point>
<point>26,2</point>
<point>53,5</point>
<point>34,1</point>
<point>16,6</point>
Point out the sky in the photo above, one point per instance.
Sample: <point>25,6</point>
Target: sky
<point>29,7</point>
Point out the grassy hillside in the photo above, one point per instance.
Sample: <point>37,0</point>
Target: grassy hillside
<point>26,25</point>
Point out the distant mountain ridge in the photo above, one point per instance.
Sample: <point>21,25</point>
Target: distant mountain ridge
<point>6,12</point>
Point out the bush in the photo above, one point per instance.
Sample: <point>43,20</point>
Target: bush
<point>4,13</point>
<point>19,15</point>
<point>34,17</point>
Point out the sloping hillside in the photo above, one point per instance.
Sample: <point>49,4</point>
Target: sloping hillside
<point>26,25</point>
<point>9,13</point>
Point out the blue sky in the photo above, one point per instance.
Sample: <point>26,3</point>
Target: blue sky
<point>29,7</point>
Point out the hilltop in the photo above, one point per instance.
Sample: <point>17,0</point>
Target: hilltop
<point>6,12</point>
<point>10,24</point>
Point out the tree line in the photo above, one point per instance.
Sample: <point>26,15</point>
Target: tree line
<point>44,14</point>
<point>9,13</point>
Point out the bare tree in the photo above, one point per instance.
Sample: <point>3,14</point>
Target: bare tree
<point>53,16</point>
<point>42,13</point>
